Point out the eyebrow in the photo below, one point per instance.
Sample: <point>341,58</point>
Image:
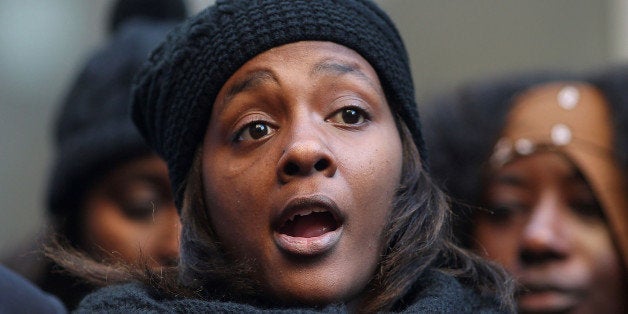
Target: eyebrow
<point>338,68</point>
<point>250,81</point>
<point>510,180</point>
<point>330,67</point>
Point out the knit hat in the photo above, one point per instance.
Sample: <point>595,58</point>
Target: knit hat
<point>174,92</point>
<point>93,131</point>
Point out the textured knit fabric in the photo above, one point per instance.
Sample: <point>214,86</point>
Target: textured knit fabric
<point>440,293</point>
<point>93,131</point>
<point>175,91</point>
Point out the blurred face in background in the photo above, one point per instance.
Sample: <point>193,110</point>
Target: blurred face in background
<point>130,214</point>
<point>548,229</point>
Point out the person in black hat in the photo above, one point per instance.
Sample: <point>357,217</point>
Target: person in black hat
<point>296,159</point>
<point>538,165</point>
<point>108,194</point>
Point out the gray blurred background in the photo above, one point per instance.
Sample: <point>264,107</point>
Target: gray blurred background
<point>43,44</point>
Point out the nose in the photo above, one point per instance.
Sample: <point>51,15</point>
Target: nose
<point>166,244</point>
<point>305,154</point>
<point>544,238</point>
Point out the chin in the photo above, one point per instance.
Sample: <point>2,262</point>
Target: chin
<point>316,293</point>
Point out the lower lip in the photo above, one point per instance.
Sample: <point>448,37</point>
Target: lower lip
<point>546,301</point>
<point>308,246</point>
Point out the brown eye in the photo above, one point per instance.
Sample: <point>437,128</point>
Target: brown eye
<point>258,131</point>
<point>350,116</point>
<point>588,209</point>
<point>139,201</point>
<point>254,131</point>
<point>501,213</point>
<point>140,210</point>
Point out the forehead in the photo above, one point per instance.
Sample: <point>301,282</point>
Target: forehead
<point>310,51</point>
<point>300,64</point>
<point>576,106</point>
<point>537,170</point>
<point>306,58</point>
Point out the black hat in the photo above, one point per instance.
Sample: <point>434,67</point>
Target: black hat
<point>93,130</point>
<point>175,90</point>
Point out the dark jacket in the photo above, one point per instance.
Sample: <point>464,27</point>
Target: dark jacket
<point>28,260</point>
<point>441,293</point>
<point>18,295</point>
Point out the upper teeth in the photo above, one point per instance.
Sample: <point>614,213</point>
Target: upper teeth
<point>305,212</point>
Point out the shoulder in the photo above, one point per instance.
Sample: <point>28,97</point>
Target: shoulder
<point>19,295</point>
<point>135,298</point>
<point>27,259</point>
<point>442,293</point>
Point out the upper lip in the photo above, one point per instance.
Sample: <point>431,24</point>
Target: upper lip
<point>530,289</point>
<point>536,288</point>
<point>298,205</point>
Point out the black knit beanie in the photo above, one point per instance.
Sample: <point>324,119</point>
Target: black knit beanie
<point>174,92</point>
<point>93,130</point>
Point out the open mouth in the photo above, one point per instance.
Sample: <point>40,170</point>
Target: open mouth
<point>309,223</point>
<point>308,226</point>
<point>547,299</point>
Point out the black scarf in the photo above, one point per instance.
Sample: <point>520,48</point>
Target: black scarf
<point>441,293</point>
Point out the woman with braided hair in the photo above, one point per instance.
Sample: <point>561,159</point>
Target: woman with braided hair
<point>538,167</point>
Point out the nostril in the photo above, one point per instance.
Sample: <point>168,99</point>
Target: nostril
<point>321,165</point>
<point>291,169</point>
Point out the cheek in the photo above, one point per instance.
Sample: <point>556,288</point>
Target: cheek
<point>498,242</point>
<point>374,170</point>
<point>109,229</point>
<point>373,174</point>
<point>595,247</point>
<point>235,195</point>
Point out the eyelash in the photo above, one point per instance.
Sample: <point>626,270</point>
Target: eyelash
<point>141,206</point>
<point>364,117</point>
<point>587,209</point>
<point>501,212</point>
<point>237,138</point>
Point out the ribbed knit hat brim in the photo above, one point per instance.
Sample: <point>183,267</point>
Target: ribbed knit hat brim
<point>83,159</point>
<point>93,131</point>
